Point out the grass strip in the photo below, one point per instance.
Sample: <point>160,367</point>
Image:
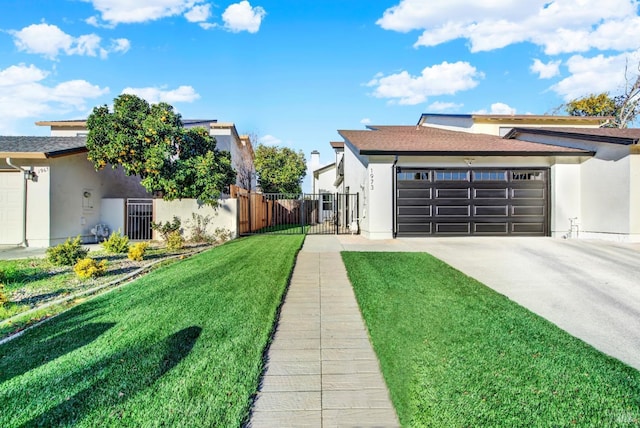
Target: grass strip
<point>456,353</point>
<point>181,346</point>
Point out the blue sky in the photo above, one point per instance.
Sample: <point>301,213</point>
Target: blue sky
<point>293,72</point>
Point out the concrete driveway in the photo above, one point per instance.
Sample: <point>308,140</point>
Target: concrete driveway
<point>591,289</point>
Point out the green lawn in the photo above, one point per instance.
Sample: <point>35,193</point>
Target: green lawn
<point>454,353</point>
<point>181,346</point>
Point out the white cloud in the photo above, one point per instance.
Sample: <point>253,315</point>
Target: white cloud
<point>50,41</point>
<point>366,121</point>
<point>440,79</point>
<point>497,108</point>
<point>442,106</point>
<point>199,13</point>
<point>556,25</point>
<point>545,71</point>
<point>127,12</point>
<point>120,45</point>
<point>596,74</point>
<point>242,17</point>
<point>25,94</point>
<point>182,94</point>
<point>269,140</point>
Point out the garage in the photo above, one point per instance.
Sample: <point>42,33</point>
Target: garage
<point>10,208</point>
<point>464,202</point>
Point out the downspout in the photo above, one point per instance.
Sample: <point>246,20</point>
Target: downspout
<point>394,179</point>
<point>26,175</point>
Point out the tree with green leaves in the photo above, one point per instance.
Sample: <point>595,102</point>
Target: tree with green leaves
<point>150,141</point>
<point>280,169</point>
<point>623,108</point>
<point>593,105</point>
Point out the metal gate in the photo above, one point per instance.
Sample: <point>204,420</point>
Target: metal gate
<point>139,217</point>
<point>307,213</point>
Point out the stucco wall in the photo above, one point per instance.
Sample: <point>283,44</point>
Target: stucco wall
<point>325,180</point>
<point>113,213</point>
<point>565,198</point>
<point>607,202</point>
<point>380,197</point>
<point>605,197</point>
<point>38,202</point>
<point>39,206</point>
<point>356,179</point>
<point>224,216</point>
<point>116,184</point>
<point>73,213</point>
<point>634,197</point>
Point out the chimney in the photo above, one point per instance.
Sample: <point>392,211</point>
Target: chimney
<point>315,158</point>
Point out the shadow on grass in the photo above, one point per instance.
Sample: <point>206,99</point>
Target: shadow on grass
<point>12,365</point>
<point>122,376</point>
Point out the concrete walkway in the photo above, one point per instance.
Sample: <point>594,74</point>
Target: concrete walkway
<point>321,368</point>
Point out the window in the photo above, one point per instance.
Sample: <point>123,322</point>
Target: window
<point>413,175</point>
<point>489,176</point>
<point>527,175</point>
<point>327,202</point>
<point>452,175</point>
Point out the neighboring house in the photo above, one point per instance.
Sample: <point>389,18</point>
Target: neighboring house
<point>49,191</point>
<point>225,133</point>
<point>495,175</point>
<point>328,180</point>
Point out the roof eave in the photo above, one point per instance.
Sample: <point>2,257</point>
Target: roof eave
<point>473,153</point>
<point>628,141</point>
<point>71,123</point>
<point>23,155</point>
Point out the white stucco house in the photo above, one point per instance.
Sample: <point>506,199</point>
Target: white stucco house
<point>225,133</point>
<point>495,175</point>
<point>49,191</point>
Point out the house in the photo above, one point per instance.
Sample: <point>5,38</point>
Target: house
<point>495,175</point>
<point>225,133</point>
<point>49,191</point>
<point>328,180</point>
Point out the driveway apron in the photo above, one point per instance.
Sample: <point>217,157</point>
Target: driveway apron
<point>321,370</point>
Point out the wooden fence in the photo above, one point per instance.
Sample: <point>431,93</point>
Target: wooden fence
<point>292,214</point>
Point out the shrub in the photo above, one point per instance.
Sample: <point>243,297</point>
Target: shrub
<point>175,241</point>
<point>198,228</point>
<point>136,252</point>
<point>4,299</point>
<point>68,253</point>
<point>221,234</point>
<point>117,243</point>
<point>167,228</point>
<point>89,268</point>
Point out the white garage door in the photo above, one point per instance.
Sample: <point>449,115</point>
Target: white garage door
<point>10,208</point>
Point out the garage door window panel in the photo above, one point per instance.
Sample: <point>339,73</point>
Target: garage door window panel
<point>527,176</point>
<point>489,176</point>
<point>452,175</point>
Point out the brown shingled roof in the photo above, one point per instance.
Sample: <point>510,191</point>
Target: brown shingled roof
<point>422,140</point>
<point>337,144</point>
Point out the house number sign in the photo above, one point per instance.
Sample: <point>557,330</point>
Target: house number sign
<point>371,177</point>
